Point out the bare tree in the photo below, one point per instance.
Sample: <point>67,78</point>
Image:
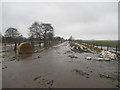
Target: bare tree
<point>71,38</point>
<point>41,30</point>
<point>57,38</point>
<point>47,29</point>
<point>36,31</point>
<point>11,33</point>
<point>50,36</point>
<point>1,37</point>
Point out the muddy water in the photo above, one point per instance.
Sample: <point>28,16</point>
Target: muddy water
<point>53,68</point>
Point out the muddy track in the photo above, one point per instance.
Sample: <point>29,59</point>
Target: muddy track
<point>59,67</point>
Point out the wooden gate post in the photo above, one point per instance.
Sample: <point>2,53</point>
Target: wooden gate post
<point>101,46</point>
<point>5,46</point>
<point>32,44</point>
<point>19,43</point>
<point>116,49</point>
<point>15,48</point>
<point>39,44</point>
<point>107,47</point>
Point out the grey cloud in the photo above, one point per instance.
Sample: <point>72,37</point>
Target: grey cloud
<point>76,19</point>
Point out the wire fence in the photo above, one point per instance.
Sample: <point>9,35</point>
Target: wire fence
<point>8,46</point>
<point>105,47</point>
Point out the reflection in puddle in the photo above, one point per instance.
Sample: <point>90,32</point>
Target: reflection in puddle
<point>25,56</point>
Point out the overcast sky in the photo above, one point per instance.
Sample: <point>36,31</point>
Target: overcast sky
<point>82,20</point>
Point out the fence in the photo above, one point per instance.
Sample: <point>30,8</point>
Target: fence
<point>8,46</point>
<point>105,47</point>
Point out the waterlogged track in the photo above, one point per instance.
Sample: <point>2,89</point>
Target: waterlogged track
<point>59,67</point>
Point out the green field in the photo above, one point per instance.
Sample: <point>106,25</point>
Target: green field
<point>113,44</point>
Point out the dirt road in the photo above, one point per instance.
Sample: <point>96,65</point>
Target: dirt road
<point>59,67</point>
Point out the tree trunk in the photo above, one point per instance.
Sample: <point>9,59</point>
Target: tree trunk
<point>45,38</point>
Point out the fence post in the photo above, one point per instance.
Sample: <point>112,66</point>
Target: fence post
<point>107,47</point>
<point>39,44</point>
<point>19,43</point>
<point>15,48</point>
<point>116,49</point>
<point>101,46</point>
<point>44,43</point>
<point>32,44</point>
<point>5,46</point>
<point>49,43</point>
<point>97,45</point>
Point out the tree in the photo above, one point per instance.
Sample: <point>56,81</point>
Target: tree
<point>57,38</point>
<point>71,38</point>
<point>50,36</point>
<point>41,31</point>
<point>11,33</point>
<point>35,31</point>
<point>21,38</point>
<point>1,37</point>
<point>47,30</point>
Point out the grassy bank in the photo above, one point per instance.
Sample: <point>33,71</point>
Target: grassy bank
<point>88,46</point>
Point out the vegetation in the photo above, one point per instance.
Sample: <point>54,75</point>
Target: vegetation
<point>43,31</point>
<point>103,43</point>
<point>37,32</point>
<point>11,33</point>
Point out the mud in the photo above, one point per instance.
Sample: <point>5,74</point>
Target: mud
<point>83,73</point>
<point>107,76</point>
<point>72,56</point>
<point>44,83</point>
<point>53,68</point>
